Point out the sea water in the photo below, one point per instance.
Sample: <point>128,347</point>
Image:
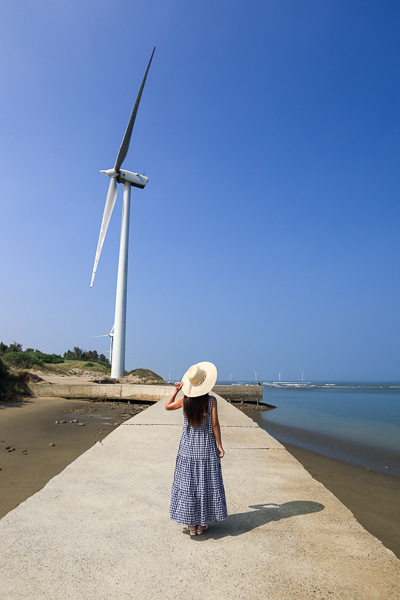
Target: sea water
<point>357,423</point>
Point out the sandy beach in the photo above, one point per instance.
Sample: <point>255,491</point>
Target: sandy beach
<point>372,497</point>
<point>34,448</point>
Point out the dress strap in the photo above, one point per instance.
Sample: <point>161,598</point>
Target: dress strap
<point>210,403</point>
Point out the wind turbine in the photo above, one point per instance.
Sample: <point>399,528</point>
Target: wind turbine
<point>111,336</point>
<point>129,179</point>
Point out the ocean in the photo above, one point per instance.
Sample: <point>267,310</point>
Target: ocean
<point>358,423</point>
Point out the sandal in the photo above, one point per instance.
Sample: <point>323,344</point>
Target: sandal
<point>200,531</point>
<point>192,532</point>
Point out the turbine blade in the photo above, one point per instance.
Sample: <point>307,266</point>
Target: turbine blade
<point>108,208</point>
<point>96,336</point>
<point>123,151</point>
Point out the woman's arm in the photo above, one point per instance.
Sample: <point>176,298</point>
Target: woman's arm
<point>173,404</point>
<point>216,428</point>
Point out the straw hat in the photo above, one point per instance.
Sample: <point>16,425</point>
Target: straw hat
<point>199,379</point>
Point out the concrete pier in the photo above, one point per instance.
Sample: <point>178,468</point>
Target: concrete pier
<point>100,529</point>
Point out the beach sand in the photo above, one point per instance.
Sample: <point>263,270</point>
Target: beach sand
<point>373,498</point>
<point>27,428</point>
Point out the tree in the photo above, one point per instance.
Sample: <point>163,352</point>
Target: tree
<point>85,355</point>
<point>90,355</point>
<point>3,348</point>
<point>14,347</point>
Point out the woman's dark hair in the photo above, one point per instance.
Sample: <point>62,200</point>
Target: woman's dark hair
<point>196,410</point>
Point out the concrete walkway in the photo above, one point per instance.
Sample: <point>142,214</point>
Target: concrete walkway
<point>100,529</point>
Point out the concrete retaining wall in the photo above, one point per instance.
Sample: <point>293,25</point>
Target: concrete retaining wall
<point>117,391</point>
<point>237,393</point>
<point>142,393</point>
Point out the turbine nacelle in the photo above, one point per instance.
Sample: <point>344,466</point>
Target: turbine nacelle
<point>134,179</point>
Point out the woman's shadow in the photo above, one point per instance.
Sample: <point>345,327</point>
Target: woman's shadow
<point>261,514</point>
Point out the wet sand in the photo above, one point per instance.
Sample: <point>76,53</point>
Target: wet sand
<point>373,498</point>
<point>27,428</point>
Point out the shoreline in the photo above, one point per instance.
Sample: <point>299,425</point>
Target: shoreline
<point>372,496</point>
<point>382,460</point>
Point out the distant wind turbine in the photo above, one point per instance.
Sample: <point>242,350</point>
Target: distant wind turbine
<point>118,175</point>
<point>111,336</point>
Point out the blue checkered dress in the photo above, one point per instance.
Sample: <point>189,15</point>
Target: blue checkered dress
<point>198,493</point>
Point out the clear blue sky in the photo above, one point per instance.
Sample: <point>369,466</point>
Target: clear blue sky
<point>267,238</point>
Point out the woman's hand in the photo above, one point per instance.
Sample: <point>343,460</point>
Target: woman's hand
<point>221,452</point>
<point>173,404</point>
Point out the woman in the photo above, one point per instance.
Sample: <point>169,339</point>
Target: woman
<point>198,492</point>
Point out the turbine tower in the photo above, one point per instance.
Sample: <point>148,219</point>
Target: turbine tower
<point>129,179</point>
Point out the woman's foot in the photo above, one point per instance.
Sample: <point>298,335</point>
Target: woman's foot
<point>192,530</point>
<point>201,528</point>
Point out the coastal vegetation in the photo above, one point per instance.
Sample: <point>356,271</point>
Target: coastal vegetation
<point>26,360</point>
<point>13,384</point>
<point>15,357</point>
<point>145,375</point>
<point>86,356</point>
<point>16,366</point>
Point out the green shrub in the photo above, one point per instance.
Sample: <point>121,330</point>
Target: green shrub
<point>26,360</point>
<point>89,364</point>
<point>54,359</point>
<point>22,360</point>
<point>104,363</point>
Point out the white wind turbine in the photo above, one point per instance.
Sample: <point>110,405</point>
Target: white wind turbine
<point>118,175</point>
<point>111,336</point>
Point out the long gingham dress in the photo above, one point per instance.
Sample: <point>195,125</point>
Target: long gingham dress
<point>198,493</point>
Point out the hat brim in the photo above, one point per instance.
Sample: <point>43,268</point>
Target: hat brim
<point>206,386</point>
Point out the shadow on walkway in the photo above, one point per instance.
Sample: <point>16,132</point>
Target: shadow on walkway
<point>263,513</point>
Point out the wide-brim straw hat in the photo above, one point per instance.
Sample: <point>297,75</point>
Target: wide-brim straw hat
<point>199,379</point>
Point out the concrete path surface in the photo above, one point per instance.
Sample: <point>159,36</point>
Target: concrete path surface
<point>100,529</point>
